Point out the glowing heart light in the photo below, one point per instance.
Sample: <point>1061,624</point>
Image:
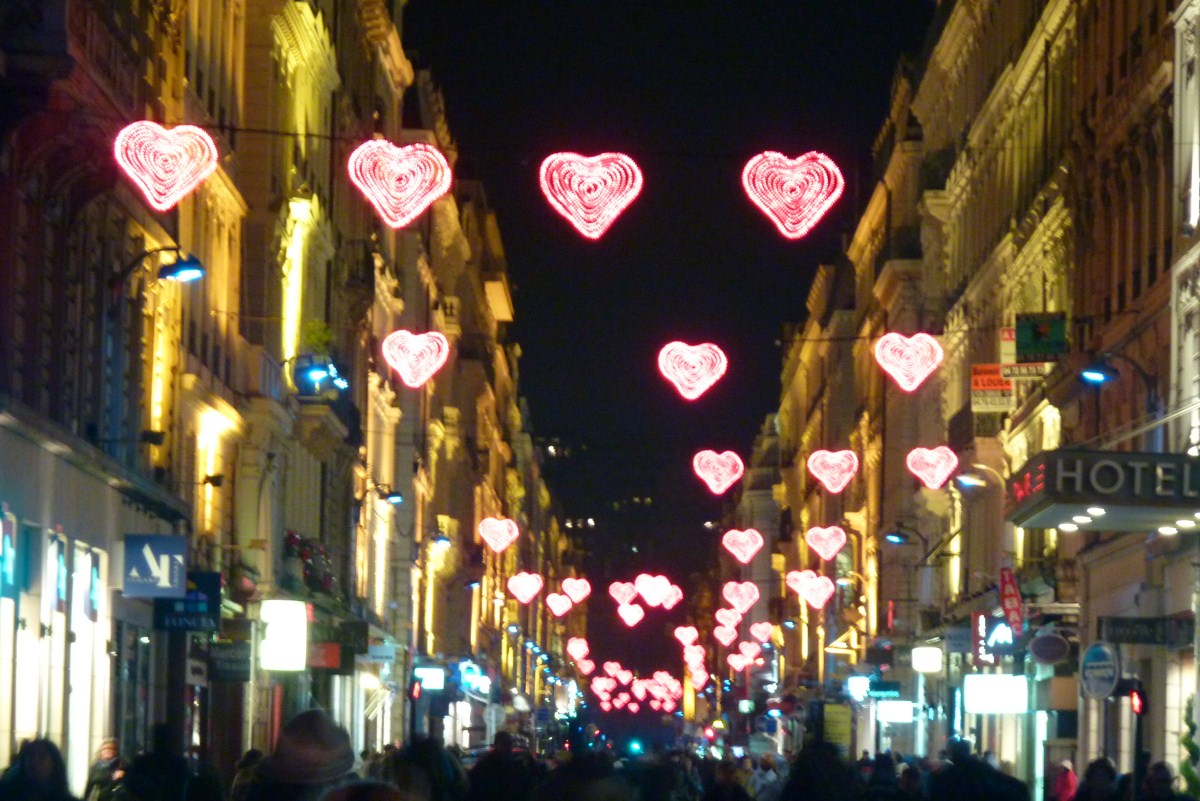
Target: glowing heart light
<point>400,182</point>
<point>673,596</point>
<point>166,165</point>
<point>586,666</point>
<point>686,634</point>
<point>737,662</point>
<point>724,634</point>
<point>750,650</point>
<point>656,705</point>
<point>498,533</point>
<point>524,586</point>
<point>578,648</point>
<point>699,677</point>
<point>623,592</point>
<point>590,191</point>
<point>728,617</point>
<point>668,706</point>
<point>719,471</point>
<point>558,604</point>
<point>762,630</point>
<point>633,708</point>
<point>653,589</point>
<point>625,676</point>
<point>693,654</point>
<point>620,701</point>
<point>577,589</point>
<point>639,689</point>
<point>692,368</point>
<point>833,469</point>
<point>816,590</point>
<point>606,706</point>
<point>742,544</point>
<point>741,596</point>
<point>908,360</point>
<point>933,466</point>
<point>793,193</point>
<point>826,541</point>
<point>612,669</point>
<point>632,614</point>
<point>415,357</point>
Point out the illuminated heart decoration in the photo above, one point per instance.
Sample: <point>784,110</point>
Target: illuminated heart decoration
<point>653,589</point>
<point>908,360</point>
<point>620,701</point>
<point>639,689</point>
<point>578,648</point>
<point>693,654</point>
<point>750,650</point>
<point>577,588</point>
<point>524,586</point>
<point>668,706</point>
<point>165,165</point>
<point>606,706</point>
<point>933,466</point>
<point>623,592</point>
<point>762,630</point>
<point>590,191</point>
<point>625,676</point>
<point>834,469</point>
<point>826,541</point>
<point>603,685</point>
<point>742,544</point>
<point>656,705</point>
<point>586,666</point>
<point>699,677</point>
<point>633,707</point>
<point>558,604</point>
<point>728,617</point>
<point>612,669</point>
<point>737,662</point>
<point>686,634</point>
<point>400,182</point>
<point>674,595</point>
<point>793,193</point>
<point>719,471</point>
<point>415,357</point>
<point>692,368</point>
<point>816,590</point>
<point>725,634</point>
<point>498,533</point>
<point>740,595</point>
<point>632,614</point>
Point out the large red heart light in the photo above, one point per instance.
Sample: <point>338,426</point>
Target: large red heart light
<point>686,634</point>
<point>524,586</point>
<point>558,604</point>
<point>793,193</point>
<point>908,360</point>
<point>577,588</point>
<point>622,592</point>
<point>673,596</point>
<point>741,596</point>
<point>728,617</point>
<point>400,182</point>
<point>834,469</point>
<point>814,589</point>
<point>578,648</point>
<point>498,533</point>
<point>415,357</point>
<point>692,368</point>
<point>742,544</point>
<point>165,165</point>
<point>632,614</point>
<point>762,631</point>
<point>590,191</point>
<point>653,589</point>
<point>719,471</point>
<point>933,466</point>
<point>725,634</point>
<point>826,541</point>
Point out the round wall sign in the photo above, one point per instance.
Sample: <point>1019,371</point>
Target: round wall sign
<point>1049,647</point>
<point>1099,670</point>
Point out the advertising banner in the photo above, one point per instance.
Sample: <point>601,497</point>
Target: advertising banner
<point>155,566</point>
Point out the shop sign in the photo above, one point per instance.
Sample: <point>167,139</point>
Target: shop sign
<point>229,661</point>
<point>980,652</point>
<point>285,642</point>
<point>883,689</point>
<point>1049,647</point>
<point>1171,631</point>
<point>1041,337</point>
<point>838,726</point>
<point>995,694</point>
<point>325,655</point>
<point>154,566</point>
<point>990,391</point>
<point>958,640</point>
<point>198,610</point>
<point>381,653</point>
<point>1010,600</point>
<point>354,635</point>
<point>1001,639</point>
<point>56,563</point>
<point>1099,670</point>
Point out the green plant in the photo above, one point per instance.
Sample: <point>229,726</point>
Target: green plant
<point>1187,767</point>
<point>316,337</point>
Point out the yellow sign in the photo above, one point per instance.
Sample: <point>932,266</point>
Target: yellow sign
<point>837,727</point>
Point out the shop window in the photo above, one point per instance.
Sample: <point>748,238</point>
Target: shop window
<point>131,663</point>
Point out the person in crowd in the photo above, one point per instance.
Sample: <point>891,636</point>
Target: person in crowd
<point>586,776</point>
<point>910,784</point>
<point>726,785</point>
<point>972,778</point>
<point>501,774</point>
<point>1159,784</point>
<point>244,773</point>
<point>765,782</point>
<point>864,765</point>
<point>364,791</point>
<point>37,774</point>
<point>311,756</point>
<point>820,774</point>
<point>1099,781</point>
<point>883,785</point>
<point>160,774</point>
<point>443,772</point>
<point>1065,782</point>
<point>107,769</point>
<point>410,779</point>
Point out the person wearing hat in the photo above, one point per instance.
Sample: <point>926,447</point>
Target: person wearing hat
<point>311,755</point>
<point>1065,782</point>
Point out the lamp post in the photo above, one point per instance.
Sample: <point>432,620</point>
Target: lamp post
<point>1100,372</point>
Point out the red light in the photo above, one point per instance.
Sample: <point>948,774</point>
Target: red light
<point>1137,703</point>
<point>710,733</point>
<point>416,690</point>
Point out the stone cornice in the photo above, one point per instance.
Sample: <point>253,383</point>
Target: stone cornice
<point>303,45</point>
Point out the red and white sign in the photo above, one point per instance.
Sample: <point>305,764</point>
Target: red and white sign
<point>1011,602</point>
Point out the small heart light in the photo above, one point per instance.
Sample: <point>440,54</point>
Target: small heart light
<point>498,533</point>
<point>793,193</point>
<point>653,589</point>
<point>578,648</point>
<point>586,666</point>
<point>400,182</point>
<point>834,469</point>
<point>415,357</point>
<point>750,650</point>
<point>620,701</point>
<point>762,630</point>
<point>558,604</point>
<point>826,541</point>
<point>742,544</point>
<point>524,586</point>
<point>622,592</point>
<point>728,617</point>
<point>719,471</point>
<point>668,706</point>
<point>632,614</point>
<point>686,634</point>
<point>639,689</point>
<point>590,191</point>
<point>606,706</point>
<point>725,634</point>
<point>612,669</point>
<point>933,466</point>
<point>692,368</point>
<point>908,360</point>
<point>625,676</point>
<point>633,707</point>
<point>166,165</point>
<point>737,662</point>
<point>656,705</point>
<point>674,595</point>
<point>699,677</point>
<point>814,589</point>
<point>577,588</point>
<point>740,595</point>
<point>693,654</point>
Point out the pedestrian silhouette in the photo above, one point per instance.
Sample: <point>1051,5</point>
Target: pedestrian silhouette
<point>312,755</point>
<point>37,774</point>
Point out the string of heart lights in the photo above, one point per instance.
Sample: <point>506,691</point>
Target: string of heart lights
<point>400,182</point>
<point>743,544</point>
<point>415,357</point>
<point>827,542</point>
<point>793,193</point>
<point>908,360</point>
<point>590,191</point>
<point>834,469</point>
<point>166,165</point>
<point>719,471</point>
<point>692,368</point>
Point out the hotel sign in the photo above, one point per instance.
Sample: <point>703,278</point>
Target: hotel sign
<point>1105,490</point>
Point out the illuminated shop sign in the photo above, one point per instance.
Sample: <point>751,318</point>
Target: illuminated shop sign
<point>285,642</point>
<point>155,566</point>
<point>995,694</point>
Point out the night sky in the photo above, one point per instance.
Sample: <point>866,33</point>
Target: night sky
<point>691,91</point>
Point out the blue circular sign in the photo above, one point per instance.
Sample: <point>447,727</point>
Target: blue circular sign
<point>1099,670</point>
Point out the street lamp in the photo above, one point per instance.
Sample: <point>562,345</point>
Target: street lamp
<point>183,270</point>
<point>1100,372</point>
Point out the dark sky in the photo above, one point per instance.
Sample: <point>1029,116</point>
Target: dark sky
<point>691,91</point>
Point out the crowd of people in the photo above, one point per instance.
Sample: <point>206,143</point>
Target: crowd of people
<point>313,761</point>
